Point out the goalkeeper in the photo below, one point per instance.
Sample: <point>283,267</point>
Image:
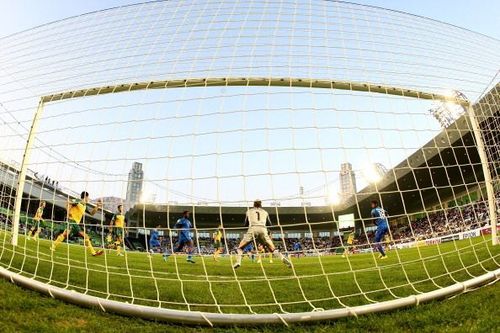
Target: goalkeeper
<point>256,221</point>
<point>76,211</point>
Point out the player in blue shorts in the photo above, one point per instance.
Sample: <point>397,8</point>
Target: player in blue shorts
<point>380,218</point>
<point>249,250</point>
<point>154,240</point>
<point>297,248</point>
<point>185,241</point>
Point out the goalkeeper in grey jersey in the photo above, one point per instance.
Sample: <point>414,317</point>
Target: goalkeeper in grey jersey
<point>257,220</point>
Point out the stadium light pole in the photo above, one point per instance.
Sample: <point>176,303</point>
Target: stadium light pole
<point>490,192</point>
<point>21,179</point>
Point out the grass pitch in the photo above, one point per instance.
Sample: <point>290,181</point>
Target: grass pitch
<point>314,282</point>
<point>26,311</point>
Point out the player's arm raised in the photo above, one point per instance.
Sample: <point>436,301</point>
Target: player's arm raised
<point>96,207</point>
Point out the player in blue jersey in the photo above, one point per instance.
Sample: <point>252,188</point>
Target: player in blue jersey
<point>185,242</point>
<point>297,248</point>
<point>249,251</point>
<point>380,218</point>
<point>154,240</point>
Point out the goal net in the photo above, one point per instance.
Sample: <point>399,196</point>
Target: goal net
<point>134,141</point>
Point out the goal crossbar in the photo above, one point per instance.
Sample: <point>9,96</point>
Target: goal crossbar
<point>256,82</point>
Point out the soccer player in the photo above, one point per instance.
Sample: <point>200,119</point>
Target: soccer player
<point>76,211</point>
<point>387,242</point>
<point>350,243</point>
<point>36,227</point>
<point>261,252</point>
<point>257,219</point>
<point>185,242</point>
<point>380,219</point>
<point>154,240</point>
<point>117,229</point>
<point>218,247</point>
<point>249,251</point>
<point>297,248</point>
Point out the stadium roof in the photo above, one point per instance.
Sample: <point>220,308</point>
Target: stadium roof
<point>444,168</point>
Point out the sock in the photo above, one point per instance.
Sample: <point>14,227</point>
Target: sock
<point>118,249</point>
<point>58,240</point>
<point>238,257</point>
<point>381,250</point>
<point>280,255</point>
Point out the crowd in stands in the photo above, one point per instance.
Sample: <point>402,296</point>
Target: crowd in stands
<point>451,221</point>
<point>433,224</point>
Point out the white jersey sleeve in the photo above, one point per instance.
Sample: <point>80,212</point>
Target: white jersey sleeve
<point>257,217</point>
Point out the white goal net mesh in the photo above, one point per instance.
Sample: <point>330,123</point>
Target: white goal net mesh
<point>316,108</point>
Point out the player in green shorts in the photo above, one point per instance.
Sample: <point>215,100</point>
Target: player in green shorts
<point>117,228</point>
<point>36,227</point>
<point>76,211</point>
<point>218,247</point>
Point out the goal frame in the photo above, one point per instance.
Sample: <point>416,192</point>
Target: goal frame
<point>212,319</point>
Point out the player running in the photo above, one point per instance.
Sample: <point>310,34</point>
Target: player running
<point>185,242</point>
<point>36,227</point>
<point>382,224</point>
<point>117,229</point>
<point>350,244</point>
<point>76,211</point>
<point>218,247</point>
<point>256,220</point>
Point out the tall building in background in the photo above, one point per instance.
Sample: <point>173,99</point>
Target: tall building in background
<point>134,185</point>
<point>347,181</point>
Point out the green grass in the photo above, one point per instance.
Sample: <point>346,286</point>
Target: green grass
<point>345,282</point>
<point>26,311</point>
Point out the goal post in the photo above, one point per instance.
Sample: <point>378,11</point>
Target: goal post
<point>485,163</point>
<point>21,181</point>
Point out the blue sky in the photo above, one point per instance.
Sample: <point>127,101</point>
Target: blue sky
<point>291,138</point>
<point>480,16</point>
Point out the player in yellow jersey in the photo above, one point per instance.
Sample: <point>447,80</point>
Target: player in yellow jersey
<point>261,252</point>
<point>37,222</point>
<point>117,229</point>
<point>76,212</point>
<point>387,241</point>
<point>218,247</point>
<point>350,244</point>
